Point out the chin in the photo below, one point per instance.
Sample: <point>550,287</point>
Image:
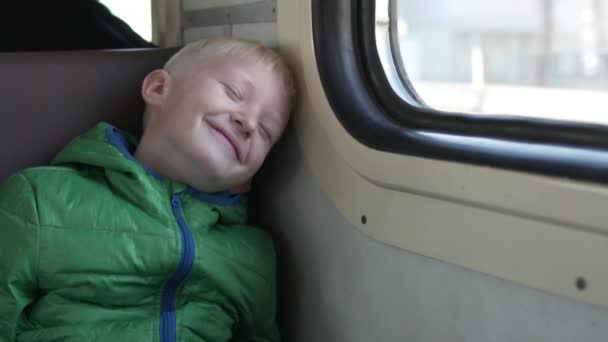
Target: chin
<point>226,170</point>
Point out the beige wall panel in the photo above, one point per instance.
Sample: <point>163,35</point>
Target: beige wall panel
<point>338,284</point>
<point>167,23</point>
<point>539,231</point>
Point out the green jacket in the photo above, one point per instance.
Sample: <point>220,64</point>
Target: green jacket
<point>98,248</point>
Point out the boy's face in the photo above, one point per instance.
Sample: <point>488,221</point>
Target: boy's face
<point>220,119</point>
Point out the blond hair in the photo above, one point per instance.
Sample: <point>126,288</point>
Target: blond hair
<point>240,47</point>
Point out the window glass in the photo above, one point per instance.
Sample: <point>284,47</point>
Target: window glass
<point>534,58</point>
<point>136,13</point>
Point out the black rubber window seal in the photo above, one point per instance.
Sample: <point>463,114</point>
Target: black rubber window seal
<point>369,109</point>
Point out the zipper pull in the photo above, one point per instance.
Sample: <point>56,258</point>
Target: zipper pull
<point>175,202</point>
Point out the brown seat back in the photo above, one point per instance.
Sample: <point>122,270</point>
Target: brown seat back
<point>47,98</point>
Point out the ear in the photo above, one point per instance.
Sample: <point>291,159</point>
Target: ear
<point>245,187</point>
<point>155,87</point>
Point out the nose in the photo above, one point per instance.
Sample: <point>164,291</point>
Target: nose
<point>242,123</point>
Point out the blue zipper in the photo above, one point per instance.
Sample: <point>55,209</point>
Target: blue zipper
<point>167,303</point>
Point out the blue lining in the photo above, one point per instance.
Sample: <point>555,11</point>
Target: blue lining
<point>221,198</point>
<point>117,140</point>
<point>168,329</point>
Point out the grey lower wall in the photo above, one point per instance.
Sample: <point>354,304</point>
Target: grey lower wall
<point>338,285</point>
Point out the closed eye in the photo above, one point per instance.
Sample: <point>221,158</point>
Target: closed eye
<point>232,92</point>
<point>265,133</point>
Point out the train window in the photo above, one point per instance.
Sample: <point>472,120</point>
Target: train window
<point>543,59</point>
<point>136,13</point>
<point>420,85</point>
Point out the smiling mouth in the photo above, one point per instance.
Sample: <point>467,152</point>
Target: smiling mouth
<point>228,138</point>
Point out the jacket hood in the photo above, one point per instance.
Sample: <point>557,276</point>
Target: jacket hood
<point>105,148</point>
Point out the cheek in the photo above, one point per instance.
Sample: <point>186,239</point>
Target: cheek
<point>259,153</point>
<point>215,100</point>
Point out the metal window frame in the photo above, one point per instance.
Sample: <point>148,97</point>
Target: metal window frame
<point>374,114</point>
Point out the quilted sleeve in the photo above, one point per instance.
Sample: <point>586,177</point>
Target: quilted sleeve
<point>265,327</point>
<point>259,318</point>
<point>18,252</point>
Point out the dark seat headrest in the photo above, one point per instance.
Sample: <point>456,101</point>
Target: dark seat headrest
<point>47,98</point>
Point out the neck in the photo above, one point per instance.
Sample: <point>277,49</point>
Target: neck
<point>155,157</point>
<point>165,160</point>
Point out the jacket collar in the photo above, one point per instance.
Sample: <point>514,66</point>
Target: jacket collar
<point>107,148</point>
<point>117,139</point>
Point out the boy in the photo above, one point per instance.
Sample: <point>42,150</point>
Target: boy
<point>118,241</point>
